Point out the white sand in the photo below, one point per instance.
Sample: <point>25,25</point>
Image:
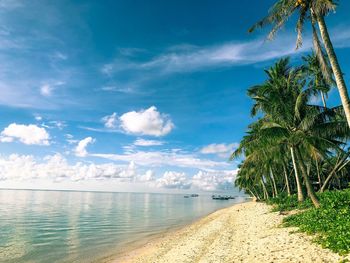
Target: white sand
<point>246,232</point>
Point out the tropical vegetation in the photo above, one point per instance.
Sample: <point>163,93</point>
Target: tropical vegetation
<point>296,154</point>
<point>313,12</point>
<point>294,146</point>
<point>331,222</point>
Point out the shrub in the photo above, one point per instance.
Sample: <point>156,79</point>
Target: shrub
<point>330,222</point>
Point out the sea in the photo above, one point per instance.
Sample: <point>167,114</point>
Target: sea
<point>69,226</point>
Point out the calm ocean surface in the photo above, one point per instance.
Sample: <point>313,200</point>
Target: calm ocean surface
<point>59,226</point>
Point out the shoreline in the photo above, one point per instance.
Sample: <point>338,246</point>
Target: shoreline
<point>244,232</point>
<point>133,248</point>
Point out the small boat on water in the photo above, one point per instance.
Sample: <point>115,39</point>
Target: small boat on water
<point>222,197</point>
<point>191,195</point>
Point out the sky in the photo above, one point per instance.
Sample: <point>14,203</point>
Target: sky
<point>135,95</point>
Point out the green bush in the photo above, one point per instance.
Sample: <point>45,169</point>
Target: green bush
<point>330,222</point>
<point>287,203</point>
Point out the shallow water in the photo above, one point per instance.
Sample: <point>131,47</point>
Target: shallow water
<point>62,226</point>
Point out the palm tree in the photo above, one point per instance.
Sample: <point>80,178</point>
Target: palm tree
<point>315,11</point>
<point>273,98</point>
<point>341,162</point>
<point>258,154</point>
<point>308,130</point>
<point>318,82</point>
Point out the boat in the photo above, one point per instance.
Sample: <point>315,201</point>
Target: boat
<point>194,195</point>
<point>220,197</point>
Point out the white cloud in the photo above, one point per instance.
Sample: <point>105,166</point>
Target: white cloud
<point>173,180</point>
<point>56,168</point>
<point>54,124</point>
<point>46,90</point>
<point>146,122</point>
<point>149,176</point>
<point>70,139</point>
<point>162,158</point>
<point>27,134</point>
<point>203,180</point>
<point>80,150</point>
<point>111,121</point>
<point>38,118</point>
<point>221,149</point>
<point>196,58</point>
<point>214,180</point>
<point>145,143</point>
<point>175,60</point>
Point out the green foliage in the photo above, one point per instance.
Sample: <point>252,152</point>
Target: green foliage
<point>330,223</point>
<point>287,203</point>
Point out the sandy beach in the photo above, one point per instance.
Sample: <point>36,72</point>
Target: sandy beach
<point>246,232</point>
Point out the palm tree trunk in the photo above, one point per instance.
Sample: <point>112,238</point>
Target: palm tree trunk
<point>251,193</point>
<point>268,178</point>
<point>309,187</point>
<point>257,194</point>
<point>338,166</point>
<point>274,182</point>
<point>344,96</point>
<point>323,99</point>
<point>286,178</point>
<point>297,177</point>
<point>318,174</point>
<point>266,194</point>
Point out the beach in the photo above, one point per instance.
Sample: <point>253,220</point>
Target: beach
<point>247,232</point>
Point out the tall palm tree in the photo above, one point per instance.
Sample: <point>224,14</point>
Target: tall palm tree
<point>317,80</point>
<point>273,98</point>
<point>309,131</point>
<point>315,11</point>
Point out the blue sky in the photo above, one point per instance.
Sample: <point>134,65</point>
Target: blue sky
<point>134,95</point>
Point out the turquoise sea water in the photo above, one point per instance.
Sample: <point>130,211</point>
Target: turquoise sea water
<point>61,226</point>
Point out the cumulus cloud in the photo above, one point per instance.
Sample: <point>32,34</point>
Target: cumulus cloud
<point>80,149</point>
<point>149,176</point>
<point>143,142</point>
<point>56,168</point>
<point>146,122</point>
<point>221,149</point>
<point>173,180</point>
<point>111,121</point>
<point>214,180</point>
<point>28,134</point>
<point>203,180</point>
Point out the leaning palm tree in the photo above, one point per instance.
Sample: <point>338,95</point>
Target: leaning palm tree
<point>315,11</point>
